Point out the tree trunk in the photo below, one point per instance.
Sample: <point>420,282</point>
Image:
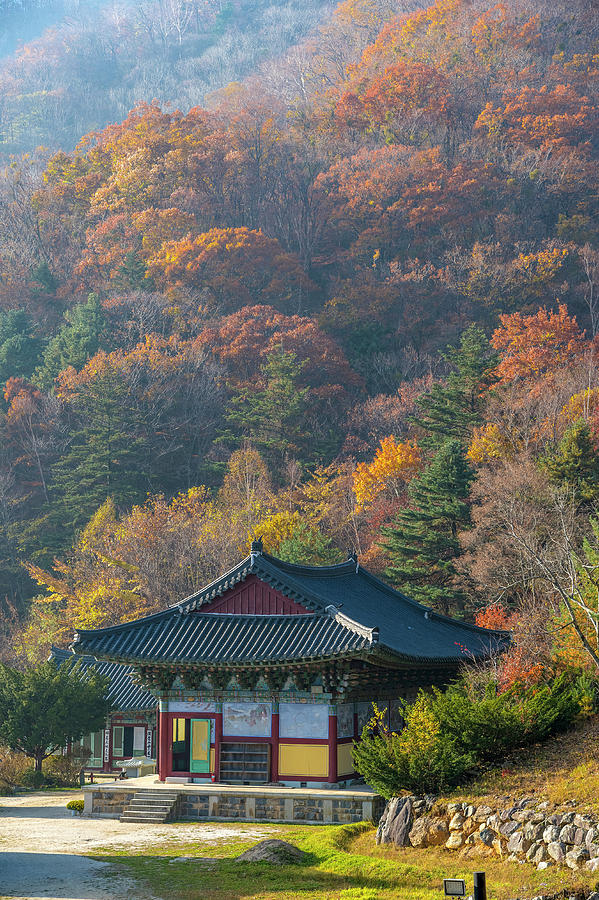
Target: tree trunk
<point>39,758</point>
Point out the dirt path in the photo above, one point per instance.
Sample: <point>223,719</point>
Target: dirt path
<point>43,848</point>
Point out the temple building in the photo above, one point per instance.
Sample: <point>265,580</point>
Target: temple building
<point>130,729</point>
<point>268,674</point>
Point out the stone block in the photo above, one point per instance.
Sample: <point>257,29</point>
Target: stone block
<point>518,843</point>
<point>487,836</point>
<point>482,813</point>
<point>508,828</point>
<point>396,822</point>
<point>533,831</point>
<point>545,864</point>
<point>494,823</point>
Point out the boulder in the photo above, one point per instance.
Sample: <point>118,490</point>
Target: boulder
<point>583,821</point>
<point>545,864</point>
<point>557,851</point>
<point>576,858</point>
<point>568,834</point>
<point>592,865</point>
<point>274,851</point>
<point>551,833</point>
<point>456,822</point>
<point>453,808</point>
<point>396,822</point>
<point>518,843</point>
<point>509,827</point>
<point>487,837</point>
<point>455,840</point>
<point>494,823</point>
<point>533,850</point>
<point>429,831</point>
<point>482,813</point>
<point>533,831</point>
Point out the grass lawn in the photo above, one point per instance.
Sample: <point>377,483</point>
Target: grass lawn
<point>343,864</point>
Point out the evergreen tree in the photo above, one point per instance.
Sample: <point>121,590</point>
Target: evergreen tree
<point>107,456</point>
<point>77,340</point>
<point>452,409</point>
<point>132,274</point>
<point>42,709</point>
<point>422,543</point>
<point>575,463</point>
<point>19,348</point>
<point>310,547</point>
<point>271,419</point>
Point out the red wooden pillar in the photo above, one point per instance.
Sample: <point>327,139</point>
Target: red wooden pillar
<point>274,747</point>
<point>332,750</point>
<point>165,748</point>
<point>218,736</point>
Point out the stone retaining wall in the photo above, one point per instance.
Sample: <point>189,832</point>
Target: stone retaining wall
<point>538,832</point>
<point>286,806</point>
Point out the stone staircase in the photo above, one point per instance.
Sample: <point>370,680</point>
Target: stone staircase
<point>150,806</point>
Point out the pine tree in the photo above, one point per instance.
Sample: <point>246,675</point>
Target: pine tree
<point>271,419</point>
<point>132,274</point>
<point>422,543</point>
<point>575,463</point>
<point>452,409</point>
<point>75,343</point>
<point>19,347</point>
<point>107,456</point>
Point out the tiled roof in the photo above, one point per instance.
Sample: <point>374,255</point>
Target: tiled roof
<point>124,694</point>
<point>352,612</point>
<point>174,637</point>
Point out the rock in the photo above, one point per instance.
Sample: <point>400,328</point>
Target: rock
<point>576,858</point>
<point>522,815</point>
<point>469,811</point>
<point>482,813</point>
<point>583,821</point>
<point>593,850</point>
<point>396,822</point>
<point>470,825</point>
<point>508,828</point>
<point>453,808</point>
<point>455,840</point>
<point>592,836</point>
<point>557,851</point>
<point>274,851</point>
<point>499,846</point>
<point>551,833</point>
<point>567,818</point>
<point>568,834</point>
<point>580,836</point>
<point>429,831</point>
<point>545,864</point>
<point>532,851</point>
<point>456,822</point>
<point>541,854</point>
<point>487,837</point>
<point>592,865</point>
<point>518,843</point>
<point>533,831</point>
<point>494,823</point>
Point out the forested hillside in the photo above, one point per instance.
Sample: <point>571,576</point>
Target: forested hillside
<point>82,64</point>
<point>350,303</point>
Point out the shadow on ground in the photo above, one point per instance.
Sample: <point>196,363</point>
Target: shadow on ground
<point>57,876</point>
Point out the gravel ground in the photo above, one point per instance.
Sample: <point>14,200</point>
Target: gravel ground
<point>43,848</point>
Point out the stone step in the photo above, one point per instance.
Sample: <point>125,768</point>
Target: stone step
<point>164,795</point>
<point>151,801</point>
<point>140,817</point>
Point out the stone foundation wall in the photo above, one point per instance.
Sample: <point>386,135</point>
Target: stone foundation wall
<point>272,807</point>
<point>539,833</point>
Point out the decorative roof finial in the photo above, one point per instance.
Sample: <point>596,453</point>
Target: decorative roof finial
<point>257,546</point>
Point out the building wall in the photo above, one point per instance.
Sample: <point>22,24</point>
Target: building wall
<point>256,598</point>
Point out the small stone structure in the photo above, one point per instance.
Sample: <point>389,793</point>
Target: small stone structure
<point>528,830</point>
<point>248,804</point>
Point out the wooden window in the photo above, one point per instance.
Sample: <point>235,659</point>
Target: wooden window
<point>118,733</point>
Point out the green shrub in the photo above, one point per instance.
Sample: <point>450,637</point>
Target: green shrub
<point>76,805</point>
<point>63,770</point>
<point>33,779</point>
<point>420,759</point>
<point>447,733</point>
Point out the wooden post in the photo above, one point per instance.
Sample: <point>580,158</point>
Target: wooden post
<point>274,746</point>
<point>480,886</point>
<point>332,750</point>
<point>218,734</point>
<point>164,755</point>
